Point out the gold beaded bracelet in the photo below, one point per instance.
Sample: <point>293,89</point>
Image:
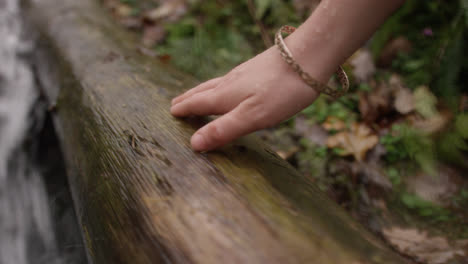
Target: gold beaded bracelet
<point>316,85</point>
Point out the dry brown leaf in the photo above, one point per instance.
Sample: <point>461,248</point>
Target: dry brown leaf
<point>152,35</point>
<point>167,11</point>
<point>334,123</point>
<point>131,22</point>
<point>463,103</point>
<point>404,103</point>
<point>357,141</point>
<point>433,124</point>
<point>373,173</point>
<point>288,153</point>
<point>376,103</point>
<point>363,65</point>
<point>418,244</point>
<point>439,188</point>
<point>123,10</point>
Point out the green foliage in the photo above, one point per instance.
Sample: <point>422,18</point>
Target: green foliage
<point>313,161</point>
<point>391,27</point>
<point>425,209</point>
<point>208,45</point>
<point>451,61</point>
<point>464,5</point>
<point>453,143</point>
<point>437,57</point>
<point>129,2</point>
<point>461,125</point>
<point>215,36</point>
<point>262,6</point>
<point>405,142</point>
<point>461,199</point>
<point>281,13</point>
<point>342,109</point>
<point>394,176</point>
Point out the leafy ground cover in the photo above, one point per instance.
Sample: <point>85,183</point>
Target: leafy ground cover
<point>393,151</point>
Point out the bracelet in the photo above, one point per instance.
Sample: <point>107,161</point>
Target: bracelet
<point>314,84</point>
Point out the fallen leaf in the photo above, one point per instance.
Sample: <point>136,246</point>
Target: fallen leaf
<point>422,247</point>
<point>167,11</point>
<point>147,52</point>
<point>131,22</point>
<point>357,141</point>
<point>288,153</point>
<point>152,35</point>
<point>363,65</point>
<point>123,10</point>
<point>376,103</point>
<point>334,123</point>
<point>372,173</point>
<point>435,123</point>
<point>404,102</point>
<point>438,188</point>
<point>463,103</point>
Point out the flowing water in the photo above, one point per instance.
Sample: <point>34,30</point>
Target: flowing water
<point>37,223</point>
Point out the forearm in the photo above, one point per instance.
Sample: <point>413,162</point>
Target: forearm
<point>253,96</point>
<point>334,31</point>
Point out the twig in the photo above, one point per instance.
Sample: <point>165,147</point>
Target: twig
<point>252,10</point>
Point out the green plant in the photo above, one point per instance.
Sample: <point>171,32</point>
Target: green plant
<point>407,142</point>
<point>425,209</point>
<point>453,143</point>
<point>436,31</point>
<point>394,176</point>
<point>207,42</point>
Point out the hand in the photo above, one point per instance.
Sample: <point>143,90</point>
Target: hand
<point>257,94</point>
<point>264,90</point>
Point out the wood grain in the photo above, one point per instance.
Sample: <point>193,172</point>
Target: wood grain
<point>142,195</point>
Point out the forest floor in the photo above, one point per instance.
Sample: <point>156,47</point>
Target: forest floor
<point>393,151</point>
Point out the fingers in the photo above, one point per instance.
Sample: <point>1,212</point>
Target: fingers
<point>200,88</point>
<point>223,130</point>
<point>203,103</point>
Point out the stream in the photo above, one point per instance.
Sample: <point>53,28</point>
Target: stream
<point>37,220</point>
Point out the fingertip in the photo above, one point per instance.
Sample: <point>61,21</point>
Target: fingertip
<point>175,110</point>
<point>198,142</point>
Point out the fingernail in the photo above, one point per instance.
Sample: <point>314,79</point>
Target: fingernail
<point>198,142</point>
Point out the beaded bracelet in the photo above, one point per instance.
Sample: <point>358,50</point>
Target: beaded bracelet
<point>316,85</point>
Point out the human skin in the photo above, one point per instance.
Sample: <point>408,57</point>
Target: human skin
<point>264,90</point>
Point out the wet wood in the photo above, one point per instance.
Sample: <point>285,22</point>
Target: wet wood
<point>142,195</point>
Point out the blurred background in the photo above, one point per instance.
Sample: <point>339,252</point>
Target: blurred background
<point>393,152</point>
<point>37,220</point>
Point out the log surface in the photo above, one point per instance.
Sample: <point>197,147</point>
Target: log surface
<point>141,194</point>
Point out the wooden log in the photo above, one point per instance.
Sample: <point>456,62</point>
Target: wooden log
<point>141,194</point>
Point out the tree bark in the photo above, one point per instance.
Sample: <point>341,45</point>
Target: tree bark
<point>141,194</point>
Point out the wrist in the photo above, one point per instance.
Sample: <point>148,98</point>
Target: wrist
<point>313,51</point>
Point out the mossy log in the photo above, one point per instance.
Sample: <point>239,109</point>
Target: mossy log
<point>141,194</point>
